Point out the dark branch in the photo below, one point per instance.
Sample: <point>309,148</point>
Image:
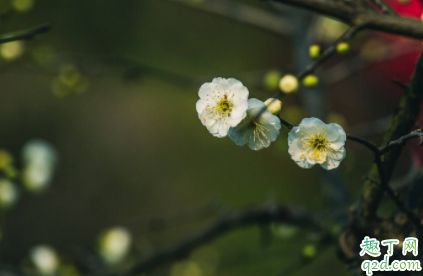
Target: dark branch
<point>27,34</point>
<point>285,123</point>
<point>260,216</point>
<point>244,14</point>
<point>364,142</point>
<point>356,15</point>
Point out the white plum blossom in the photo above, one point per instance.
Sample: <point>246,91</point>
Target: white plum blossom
<point>223,104</point>
<point>314,142</point>
<point>114,244</point>
<point>40,160</point>
<point>45,259</point>
<point>259,133</point>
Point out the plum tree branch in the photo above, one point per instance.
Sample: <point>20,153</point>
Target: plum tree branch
<point>272,213</point>
<point>354,14</point>
<point>27,34</point>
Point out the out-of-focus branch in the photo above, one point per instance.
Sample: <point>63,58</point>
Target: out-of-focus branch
<point>273,213</point>
<point>354,14</point>
<point>242,13</point>
<point>27,34</point>
<point>384,7</point>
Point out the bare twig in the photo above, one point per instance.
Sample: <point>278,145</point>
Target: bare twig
<point>242,13</point>
<point>331,50</point>
<point>27,34</point>
<point>384,7</point>
<point>259,216</point>
<point>401,141</point>
<point>364,142</point>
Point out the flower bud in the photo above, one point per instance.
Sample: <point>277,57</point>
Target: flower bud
<point>310,81</point>
<point>314,51</point>
<point>273,105</point>
<point>343,48</point>
<point>288,84</point>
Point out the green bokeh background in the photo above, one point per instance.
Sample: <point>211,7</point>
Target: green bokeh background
<point>132,148</point>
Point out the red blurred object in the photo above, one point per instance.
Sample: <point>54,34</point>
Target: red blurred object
<point>402,67</point>
<point>412,9</point>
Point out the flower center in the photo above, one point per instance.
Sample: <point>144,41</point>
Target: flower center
<point>225,106</point>
<point>318,142</point>
<point>316,146</point>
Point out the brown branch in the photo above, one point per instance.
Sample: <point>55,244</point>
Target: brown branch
<point>273,213</point>
<point>354,14</point>
<point>27,34</point>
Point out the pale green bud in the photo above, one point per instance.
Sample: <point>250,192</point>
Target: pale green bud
<point>314,51</point>
<point>343,48</point>
<point>310,81</point>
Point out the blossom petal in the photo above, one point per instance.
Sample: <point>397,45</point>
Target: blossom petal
<point>200,105</point>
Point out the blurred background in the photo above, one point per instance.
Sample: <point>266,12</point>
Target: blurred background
<point>104,160</point>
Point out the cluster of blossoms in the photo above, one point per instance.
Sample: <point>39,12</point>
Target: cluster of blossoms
<point>225,110</point>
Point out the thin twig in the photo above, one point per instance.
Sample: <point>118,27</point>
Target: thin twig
<point>348,35</point>
<point>385,186</point>
<point>27,34</point>
<point>401,123</point>
<point>331,50</point>
<point>384,7</point>
<point>364,142</point>
<point>401,141</point>
<point>260,216</point>
<point>242,13</point>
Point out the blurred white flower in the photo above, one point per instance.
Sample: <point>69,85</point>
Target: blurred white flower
<point>8,193</point>
<point>223,104</point>
<point>115,244</point>
<point>314,142</point>
<point>259,133</point>
<point>39,164</point>
<point>45,259</point>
